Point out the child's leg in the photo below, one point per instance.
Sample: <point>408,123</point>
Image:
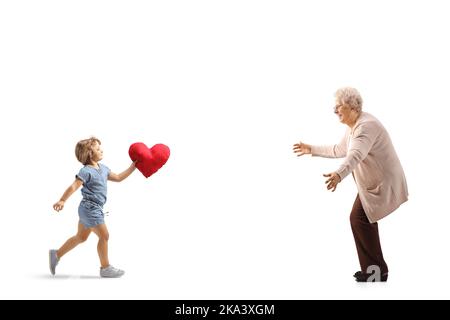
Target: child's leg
<point>102,248</point>
<point>81,236</point>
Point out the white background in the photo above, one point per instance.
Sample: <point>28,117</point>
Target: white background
<point>229,86</point>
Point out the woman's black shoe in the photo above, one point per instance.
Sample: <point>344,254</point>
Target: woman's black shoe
<point>364,277</point>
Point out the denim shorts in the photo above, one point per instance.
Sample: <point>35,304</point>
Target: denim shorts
<point>91,214</point>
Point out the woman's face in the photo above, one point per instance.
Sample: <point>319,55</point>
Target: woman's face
<point>343,111</point>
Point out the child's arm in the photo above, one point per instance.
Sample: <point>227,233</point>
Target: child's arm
<point>73,187</point>
<point>121,176</point>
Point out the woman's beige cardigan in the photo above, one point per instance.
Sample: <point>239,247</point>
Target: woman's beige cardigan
<point>371,158</point>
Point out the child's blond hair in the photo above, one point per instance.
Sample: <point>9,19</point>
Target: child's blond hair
<point>84,151</point>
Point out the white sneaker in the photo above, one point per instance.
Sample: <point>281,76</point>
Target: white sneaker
<point>53,261</point>
<point>111,272</point>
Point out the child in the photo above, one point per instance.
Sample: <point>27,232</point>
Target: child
<point>92,177</point>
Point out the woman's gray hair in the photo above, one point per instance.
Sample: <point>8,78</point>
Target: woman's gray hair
<point>351,97</point>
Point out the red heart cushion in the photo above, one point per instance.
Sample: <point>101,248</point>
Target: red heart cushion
<point>148,161</point>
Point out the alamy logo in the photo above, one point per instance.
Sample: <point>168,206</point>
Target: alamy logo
<point>375,273</point>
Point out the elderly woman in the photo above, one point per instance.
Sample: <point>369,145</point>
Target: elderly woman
<point>372,160</point>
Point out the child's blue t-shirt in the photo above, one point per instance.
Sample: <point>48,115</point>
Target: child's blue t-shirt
<point>94,183</point>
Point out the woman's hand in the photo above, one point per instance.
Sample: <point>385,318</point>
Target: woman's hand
<point>332,181</point>
<point>301,149</point>
<point>59,205</point>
